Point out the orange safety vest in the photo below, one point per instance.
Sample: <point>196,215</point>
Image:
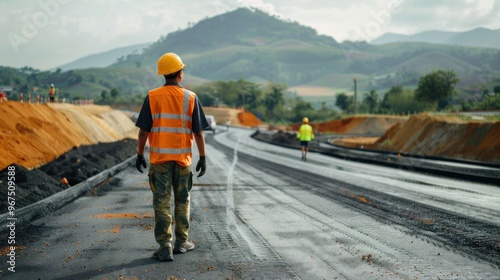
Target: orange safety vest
<point>52,91</point>
<point>171,136</point>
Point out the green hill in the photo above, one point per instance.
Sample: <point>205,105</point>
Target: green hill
<point>426,62</point>
<point>252,45</point>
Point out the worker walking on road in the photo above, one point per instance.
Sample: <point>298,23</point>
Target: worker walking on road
<point>305,135</point>
<point>170,118</point>
<point>52,93</point>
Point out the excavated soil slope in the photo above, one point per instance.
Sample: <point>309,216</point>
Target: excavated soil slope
<point>444,136</point>
<point>362,125</point>
<point>237,117</point>
<point>35,134</point>
<point>356,125</point>
<point>48,142</point>
<point>423,134</point>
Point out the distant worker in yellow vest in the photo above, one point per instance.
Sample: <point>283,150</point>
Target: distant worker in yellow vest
<point>52,93</point>
<point>305,135</point>
<point>170,118</point>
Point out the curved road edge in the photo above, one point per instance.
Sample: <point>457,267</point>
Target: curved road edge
<point>409,162</point>
<point>37,210</point>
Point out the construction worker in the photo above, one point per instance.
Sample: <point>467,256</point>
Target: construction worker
<point>170,118</point>
<point>52,93</point>
<point>305,134</point>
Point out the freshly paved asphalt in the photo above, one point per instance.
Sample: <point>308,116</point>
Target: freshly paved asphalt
<point>250,221</point>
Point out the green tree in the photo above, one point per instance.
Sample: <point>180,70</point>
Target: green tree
<point>104,95</point>
<point>207,99</point>
<point>496,89</point>
<point>343,101</point>
<point>371,100</point>
<point>302,109</point>
<point>393,92</point>
<point>114,93</point>
<point>435,86</point>
<point>405,102</point>
<point>274,100</point>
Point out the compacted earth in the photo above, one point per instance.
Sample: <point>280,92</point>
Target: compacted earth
<point>77,165</point>
<point>55,146</point>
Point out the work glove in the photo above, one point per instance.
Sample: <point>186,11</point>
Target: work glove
<point>140,160</point>
<point>202,164</point>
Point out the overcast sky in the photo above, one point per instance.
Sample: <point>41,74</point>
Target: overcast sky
<point>48,33</point>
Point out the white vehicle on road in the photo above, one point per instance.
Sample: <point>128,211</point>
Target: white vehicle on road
<point>212,125</point>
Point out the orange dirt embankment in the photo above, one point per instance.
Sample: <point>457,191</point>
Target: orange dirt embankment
<point>35,134</point>
<point>443,136</point>
<point>237,117</point>
<point>375,124</point>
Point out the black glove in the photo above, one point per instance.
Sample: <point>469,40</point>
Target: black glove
<point>202,164</point>
<point>140,161</point>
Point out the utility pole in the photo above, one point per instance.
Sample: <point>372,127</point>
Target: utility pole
<point>355,92</point>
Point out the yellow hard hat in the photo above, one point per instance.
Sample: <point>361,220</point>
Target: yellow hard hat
<point>169,63</point>
<point>305,120</point>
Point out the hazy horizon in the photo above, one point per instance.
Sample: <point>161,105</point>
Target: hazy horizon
<point>51,33</point>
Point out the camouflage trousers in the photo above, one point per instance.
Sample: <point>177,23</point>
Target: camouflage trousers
<point>163,180</point>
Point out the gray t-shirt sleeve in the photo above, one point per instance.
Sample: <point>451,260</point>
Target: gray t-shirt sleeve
<point>199,120</point>
<point>145,119</point>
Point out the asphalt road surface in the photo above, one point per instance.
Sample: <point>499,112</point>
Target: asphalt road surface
<point>261,213</point>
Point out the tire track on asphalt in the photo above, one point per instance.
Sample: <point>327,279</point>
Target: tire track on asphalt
<point>237,244</point>
<point>466,235</point>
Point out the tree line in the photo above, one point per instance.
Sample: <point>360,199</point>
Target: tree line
<point>271,102</point>
<point>435,92</point>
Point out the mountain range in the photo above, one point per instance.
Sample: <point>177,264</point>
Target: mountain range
<point>103,59</point>
<point>253,45</point>
<point>479,37</point>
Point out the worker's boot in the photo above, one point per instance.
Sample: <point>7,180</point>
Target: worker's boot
<point>164,253</point>
<point>183,247</point>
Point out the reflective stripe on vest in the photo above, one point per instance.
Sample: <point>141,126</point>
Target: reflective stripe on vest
<point>170,151</point>
<point>171,136</point>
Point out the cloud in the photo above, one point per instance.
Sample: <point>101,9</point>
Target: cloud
<point>259,4</point>
<point>344,22</point>
<point>53,32</point>
<point>448,15</point>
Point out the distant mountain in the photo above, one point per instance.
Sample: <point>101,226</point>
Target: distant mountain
<point>246,43</point>
<point>479,37</point>
<point>433,37</point>
<point>252,45</point>
<point>103,59</point>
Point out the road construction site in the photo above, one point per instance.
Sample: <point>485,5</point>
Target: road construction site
<point>261,213</point>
